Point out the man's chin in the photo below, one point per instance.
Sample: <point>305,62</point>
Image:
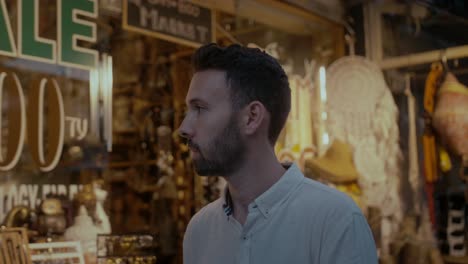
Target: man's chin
<point>204,171</point>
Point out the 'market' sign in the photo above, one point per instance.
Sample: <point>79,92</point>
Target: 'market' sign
<point>172,20</point>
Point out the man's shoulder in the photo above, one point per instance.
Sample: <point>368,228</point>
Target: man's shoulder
<point>325,198</point>
<point>206,214</point>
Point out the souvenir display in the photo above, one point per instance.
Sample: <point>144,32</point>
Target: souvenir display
<point>20,216</point>
<point>336,165</point>
<point>336,168</point>
<point>414,178</point>
<point>163,207</point>
<point>429,142</point>
<point>451,122</point>
<point>362,113</point>
<point>100,216</point>
<point>86,197</point>
<point>297,137</point>
<point>84,231</point>
<point>93,169</point>
<point>128,249</point>
<point>51,218</point>
<point>408,248</point>
<point>68,252</point>
<point>128,260</point>
<point>14,248</point>
<point>451,115</point>
<point>421,207</point>
<point>298,129</point>
<point>455,232</point>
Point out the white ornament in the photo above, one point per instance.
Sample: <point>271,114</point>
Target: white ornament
<point>83,230</point>
<point>101,218</point>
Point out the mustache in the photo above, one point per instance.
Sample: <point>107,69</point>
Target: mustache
<point>192,145</point>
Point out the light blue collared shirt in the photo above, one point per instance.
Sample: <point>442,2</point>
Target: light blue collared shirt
<point>296,221</point>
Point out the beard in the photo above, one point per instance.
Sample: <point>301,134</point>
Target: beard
<point>224,155</point>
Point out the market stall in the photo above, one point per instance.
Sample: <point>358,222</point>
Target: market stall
<point>92,169</point>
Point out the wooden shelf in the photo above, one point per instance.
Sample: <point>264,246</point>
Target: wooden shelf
<point>455,260</point>
<point>125,164</point>
<point>123,91</point>
<point>126,131</point>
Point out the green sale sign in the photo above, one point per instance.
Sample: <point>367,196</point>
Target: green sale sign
<point>34,119</point>
<point>70,29</point>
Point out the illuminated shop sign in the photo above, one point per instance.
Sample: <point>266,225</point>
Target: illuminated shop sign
<point>172,20</point>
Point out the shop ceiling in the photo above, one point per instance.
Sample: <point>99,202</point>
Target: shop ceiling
<point>406,33</point>
<point>293,16</point>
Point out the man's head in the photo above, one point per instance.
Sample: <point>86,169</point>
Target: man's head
<point>236,94</point>
<point>251,75</point>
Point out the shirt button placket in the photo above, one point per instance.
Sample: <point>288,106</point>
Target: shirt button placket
<point>245,249</point>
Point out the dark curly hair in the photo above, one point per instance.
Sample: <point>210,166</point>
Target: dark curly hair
<point>252,75</point>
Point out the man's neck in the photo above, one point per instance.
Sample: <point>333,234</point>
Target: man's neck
<point>251,180</point>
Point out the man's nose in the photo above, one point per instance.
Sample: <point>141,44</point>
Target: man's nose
<point>185,130</point>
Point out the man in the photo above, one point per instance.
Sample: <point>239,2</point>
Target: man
<point>238,102</point>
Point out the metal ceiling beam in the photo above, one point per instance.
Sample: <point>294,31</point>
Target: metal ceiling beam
<point>275,14</point>
<point>374,40</point>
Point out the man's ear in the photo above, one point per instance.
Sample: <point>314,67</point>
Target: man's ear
<point>253,116</point>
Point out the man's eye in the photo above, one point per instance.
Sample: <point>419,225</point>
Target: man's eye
<point>198,108</point>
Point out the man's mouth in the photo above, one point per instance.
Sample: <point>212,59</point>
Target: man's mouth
<point>193,150</point>
<point>193,147</point>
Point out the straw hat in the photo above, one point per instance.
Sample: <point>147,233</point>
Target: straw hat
<point>336,165</point>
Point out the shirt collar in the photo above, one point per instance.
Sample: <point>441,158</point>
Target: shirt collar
<point>227,202</point>
<point>273,196</point>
